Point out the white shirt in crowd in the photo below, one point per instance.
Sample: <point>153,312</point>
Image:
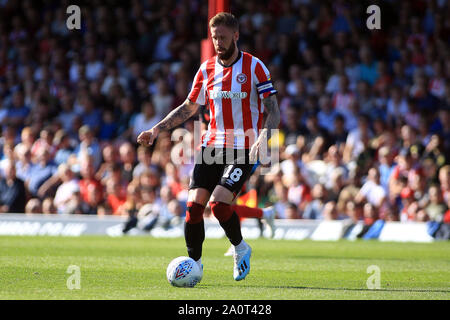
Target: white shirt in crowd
<point>374,193</point>
<point>64,193</point>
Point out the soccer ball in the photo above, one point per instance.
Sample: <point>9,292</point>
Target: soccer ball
<point>183,272</point>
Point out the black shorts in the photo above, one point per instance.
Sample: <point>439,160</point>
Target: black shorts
<point>229,168</point>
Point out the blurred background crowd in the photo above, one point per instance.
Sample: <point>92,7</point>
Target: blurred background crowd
<point>365,128</point>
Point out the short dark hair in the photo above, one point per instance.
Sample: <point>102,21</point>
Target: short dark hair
<point>226,19</point>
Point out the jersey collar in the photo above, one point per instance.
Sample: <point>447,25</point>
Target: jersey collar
<point>236,60</point>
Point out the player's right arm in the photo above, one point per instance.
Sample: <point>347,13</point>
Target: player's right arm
<point>187,109</point>
<point>179,115</point>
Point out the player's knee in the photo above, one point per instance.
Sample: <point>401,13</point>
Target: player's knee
<point>221,210</point>
<point>222,194</point>
<point>194,213</point>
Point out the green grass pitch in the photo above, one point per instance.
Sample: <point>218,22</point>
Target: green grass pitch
<point>135,268</point>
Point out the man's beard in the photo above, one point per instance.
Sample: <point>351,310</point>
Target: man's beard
<point>228,53</point>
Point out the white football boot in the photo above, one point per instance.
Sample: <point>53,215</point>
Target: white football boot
<point>242,254</point>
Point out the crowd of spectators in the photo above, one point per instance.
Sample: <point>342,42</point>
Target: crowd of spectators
<point>365,114</point>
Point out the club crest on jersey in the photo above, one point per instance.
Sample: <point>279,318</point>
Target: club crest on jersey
<point>241,78</point>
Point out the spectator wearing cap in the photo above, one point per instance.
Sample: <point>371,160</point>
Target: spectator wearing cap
<point>12,191</point>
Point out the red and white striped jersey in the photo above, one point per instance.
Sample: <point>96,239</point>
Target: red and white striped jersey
<point>234,96</point>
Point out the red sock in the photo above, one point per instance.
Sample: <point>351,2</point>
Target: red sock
<point>222,211</point>
<point>247,212</point>
<point>194,212</point>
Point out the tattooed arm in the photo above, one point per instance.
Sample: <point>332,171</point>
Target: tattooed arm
<point>272,122</point>
<point>273,115</point>
<point>179,115</point>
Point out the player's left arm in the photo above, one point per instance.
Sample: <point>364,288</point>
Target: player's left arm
<point>271,123</point>
<point>273,115</point>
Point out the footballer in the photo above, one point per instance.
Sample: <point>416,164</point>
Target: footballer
<point>238,90</point>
